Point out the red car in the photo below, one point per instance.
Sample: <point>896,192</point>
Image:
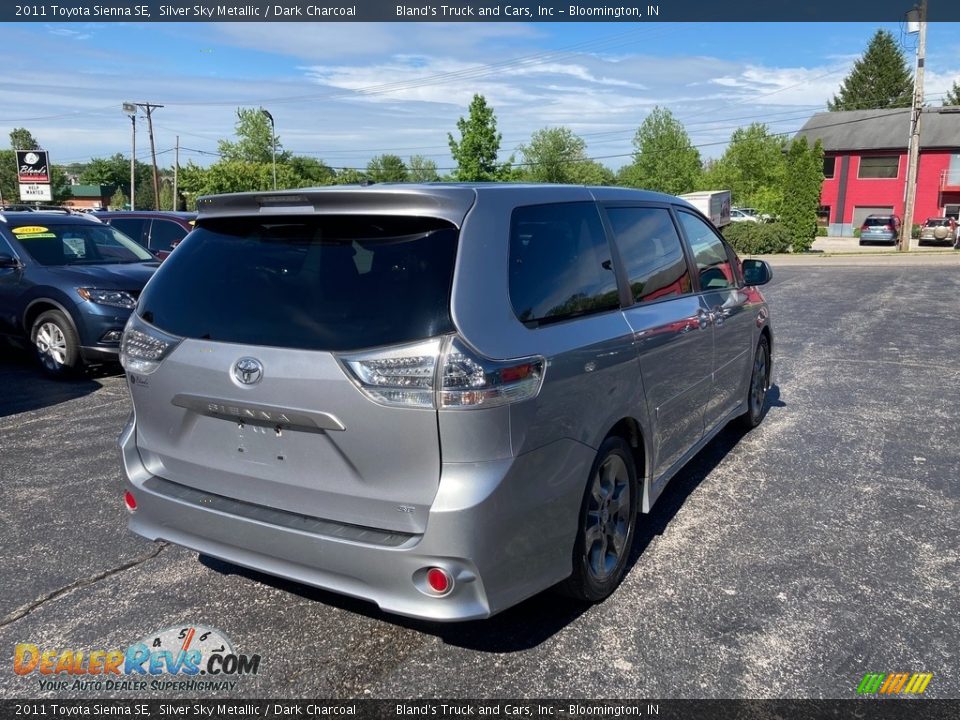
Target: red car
<point>158,231</point>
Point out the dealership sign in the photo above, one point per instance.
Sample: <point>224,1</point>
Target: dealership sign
<point>35,192</point>
<point>33,174</point>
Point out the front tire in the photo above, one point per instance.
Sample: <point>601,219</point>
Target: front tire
<point>56,345</point>
<point>608,518</point>
<point>759,385</point>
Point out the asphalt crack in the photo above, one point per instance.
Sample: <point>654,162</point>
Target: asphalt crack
<point>24,610</point>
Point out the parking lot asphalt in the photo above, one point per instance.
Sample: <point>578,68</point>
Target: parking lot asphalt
<point>786,562</point>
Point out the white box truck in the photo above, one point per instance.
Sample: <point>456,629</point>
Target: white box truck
<point>715,204</point>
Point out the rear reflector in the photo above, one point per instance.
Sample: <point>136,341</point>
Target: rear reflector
<point>130,501</point>
<point>439,580</point>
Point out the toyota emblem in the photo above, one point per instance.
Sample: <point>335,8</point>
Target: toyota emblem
<point>248,371</point>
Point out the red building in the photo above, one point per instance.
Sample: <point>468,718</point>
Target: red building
<point>865,164</point>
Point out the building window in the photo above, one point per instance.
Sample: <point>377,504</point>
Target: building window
<point>823,216</point>
<point>829,165</point>
<point>881,166</point>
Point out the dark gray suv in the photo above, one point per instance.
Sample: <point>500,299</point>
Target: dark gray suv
<point>440,398</point>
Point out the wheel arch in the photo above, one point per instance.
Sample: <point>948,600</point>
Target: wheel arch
<point>630,429</point>
<point>35,308</point>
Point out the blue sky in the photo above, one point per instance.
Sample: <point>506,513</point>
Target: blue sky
<point>343,92</point>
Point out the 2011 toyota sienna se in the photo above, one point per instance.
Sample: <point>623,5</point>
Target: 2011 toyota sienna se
<point>439,398</point>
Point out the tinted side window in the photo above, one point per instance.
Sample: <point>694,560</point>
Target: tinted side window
<point>163,233</point>
<point>651,251</point>
<point>713,265</point>
<point>560,263</point>
<point>132,227</point>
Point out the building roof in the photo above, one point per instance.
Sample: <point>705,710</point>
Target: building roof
<point>882,129</point>
<point>91,191</point>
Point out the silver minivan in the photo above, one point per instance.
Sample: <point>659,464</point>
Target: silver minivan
<point>439,398</point>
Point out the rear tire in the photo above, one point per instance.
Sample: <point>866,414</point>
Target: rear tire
<point>56,345</point>
<point>608,519</point>
<point>759,385</point>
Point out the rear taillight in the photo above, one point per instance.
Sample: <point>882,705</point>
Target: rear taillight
<point>468,380</point>
<point>403,375</point>
<point>143,347</point>
<point>443,373</point>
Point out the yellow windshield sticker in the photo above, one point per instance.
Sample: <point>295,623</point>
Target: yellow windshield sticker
<point>32,236</point>
<point>28,229</point>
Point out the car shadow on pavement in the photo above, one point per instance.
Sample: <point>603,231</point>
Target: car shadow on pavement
<point>26,388</point>
<point>536,619</point>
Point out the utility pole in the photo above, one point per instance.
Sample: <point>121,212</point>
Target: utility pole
<point>148,108</point>
<point>916,115</point>
<point>273,144</point>
<point>176,170</point>
<point>131,110</point>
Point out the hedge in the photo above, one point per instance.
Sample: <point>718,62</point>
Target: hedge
<point>749,238</point>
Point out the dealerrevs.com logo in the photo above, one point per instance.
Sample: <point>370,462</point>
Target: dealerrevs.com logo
<point>192,658</point>
<point>894,683</point>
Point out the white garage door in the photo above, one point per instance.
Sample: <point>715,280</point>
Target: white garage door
<point>861,213</point>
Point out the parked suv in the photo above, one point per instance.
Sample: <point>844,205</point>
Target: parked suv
<point>68,284</point>
<point>880,228</point>
<point>939,229</point>
<point>440,398</point>
<point>158,231</point>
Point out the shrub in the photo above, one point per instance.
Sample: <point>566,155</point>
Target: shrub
<point>821,231</point>
<point>915,231</point>
<point>750,238</point>
<point>856,232</point>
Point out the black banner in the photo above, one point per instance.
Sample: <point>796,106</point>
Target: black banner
<point>473,11</point>
<point>33,166</point>
<point>873,709</point>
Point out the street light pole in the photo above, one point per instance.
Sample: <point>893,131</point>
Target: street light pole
<point>132,110</point>
<point>916,113</point>
<point>273,145</point>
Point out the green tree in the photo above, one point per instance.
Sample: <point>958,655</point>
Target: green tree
<point>953,94</point>
<point>880,79</point>
<point>752,168</point>
<point>119,201</point>
<point>591,172</point>
<point>115,170</point>
<point>664,158</point>
<point>232,176</point>
<point>310,171</point>
<point>350,176</point>
<point>420,169</point>
<point>558,155</point>
<point>804,180</point>
<point>386,168</point>
<point>476,152</point>
<point>255,140</point>
<point>22,139</point>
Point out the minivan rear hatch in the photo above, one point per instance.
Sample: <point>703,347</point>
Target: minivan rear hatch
<point>254,401</point>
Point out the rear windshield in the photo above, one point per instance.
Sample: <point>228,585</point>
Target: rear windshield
<point>877,221</point>
<point>78,244</point>
<point>938,222</point>
<point>319,283</point>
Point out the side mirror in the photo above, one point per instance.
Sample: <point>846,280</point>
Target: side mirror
<point>756,272</point>
<point>9,261</point>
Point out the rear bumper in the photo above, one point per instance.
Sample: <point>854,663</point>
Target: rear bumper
<point>503,529</point>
